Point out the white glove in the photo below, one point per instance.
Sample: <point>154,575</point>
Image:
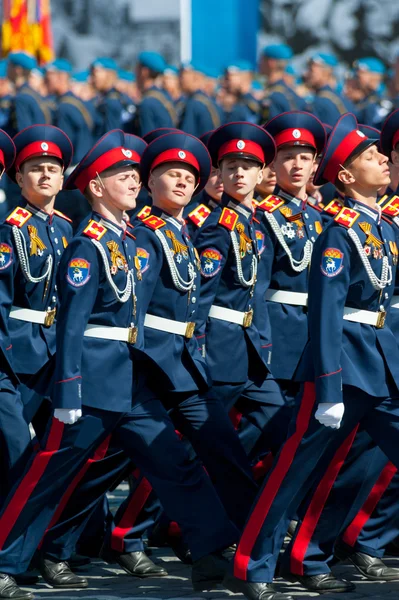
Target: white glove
<point>69,417</point>
<point>330,414</point>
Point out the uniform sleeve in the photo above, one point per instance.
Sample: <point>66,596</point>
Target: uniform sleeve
<point>150,255</point>
<point>78,283</point>
<point>147,120</point>
<point>8,268</point>
<point>66,122</point>
<point>265,268</point>
<point>212,244</point>
<point>328,288</point>
<point>188,121</point>
<point>23,112</point>
<point>113,114</point>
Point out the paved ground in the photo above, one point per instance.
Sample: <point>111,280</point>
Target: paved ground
<point>109,583</point>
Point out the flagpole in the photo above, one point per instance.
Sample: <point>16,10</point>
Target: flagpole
<point>185,31</point>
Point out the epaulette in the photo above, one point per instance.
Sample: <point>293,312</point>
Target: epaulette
<point>391,208</point>
<point>271,203</point>
<point>333,207</point>
<point>94,230</point>
<point>154,222</point>
<point>19,216</point>
<point>347,217</point>
<point>199,215</point>
<point>144,212</point>
<point>228,218</point>
<point>60,214</point>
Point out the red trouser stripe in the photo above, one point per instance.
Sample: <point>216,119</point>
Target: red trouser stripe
<point>353,530</point>
<point>272,486</point>
<point>98,455</point>
<point>135,505</point>
<point>312,516</point>
<point>30,480</point>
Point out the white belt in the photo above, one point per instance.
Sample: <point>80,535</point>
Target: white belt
<point>41,317</point>
<point>118,334</point>
<point>231,316</point>
<point>169,325</point>
<point>395,302</point>
<point>283,297</point>
<point>368,317</point>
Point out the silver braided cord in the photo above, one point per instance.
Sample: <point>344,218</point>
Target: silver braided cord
<point>179,282</point>
<point>254,266</point>
<point>386,270</point>
<point>297,265</point>
<point>120,295</point>
<point>22,251</point>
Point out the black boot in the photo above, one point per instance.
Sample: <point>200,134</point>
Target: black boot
<point>160,538</point>
<point>59,574</point>
<point>139,565</point>
<point>253,591</point>
<point>323,583</point>
<point>9,589</point>
<point>370,567</point>
<point>208,571</point>
<point>78,560</point>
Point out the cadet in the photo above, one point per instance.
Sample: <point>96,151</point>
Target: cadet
<point>238,80</point>
<point>157,107</point>
<point>28,107</point>
<point>327,104</point>
<point>372,109</point>
<point>350,364</point>
<point>100,319</point>
<point>279,96</point>
<point>289,228</point>
<point>110,104</point>
<point>228,250</point>
<point>201,113</point>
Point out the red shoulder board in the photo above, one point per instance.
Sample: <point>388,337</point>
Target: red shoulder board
<point>94,230</point>
<point>154,222</point>
<point>347,217</point>
<point>19,216</point>
<point>60,214</point>
<point>333,207</point>
<point>144,212</point>
<point>228,218</point>
<point>271,203</point>
<point>391,208</point>
<point>199,215</point>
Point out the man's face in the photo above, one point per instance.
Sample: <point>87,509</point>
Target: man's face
<point>294,166</point>
<point>40,178</point>
<point>188,80</point>
<point>316,75</point>
<point>172,185</point>
<point>102,79</point>
<point>214,186</point>
<point>233,81</point>
<point>369,171</point>
<point>121,187</point>
<point>52,81</point>
<point>268,183</point>
<point>240,176</point>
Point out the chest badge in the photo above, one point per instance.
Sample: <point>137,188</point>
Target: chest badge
<point>180,250</point>
<point>36,244</point>
<point>117,258</point>
<point>394,251</point>
<point>372,246</point>
<point>245,241</point>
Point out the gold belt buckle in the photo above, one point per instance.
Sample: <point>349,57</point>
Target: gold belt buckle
<point>189,330</point>
<point>248,316</point>
<point>382,315</point>
<point>50,317</point>
<point>132,335</point>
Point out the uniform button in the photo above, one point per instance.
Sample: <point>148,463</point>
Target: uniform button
<point>312,239</point>
<point>55,288</point>
<point>58,251</point>
<point>386,295</point>
<point>55,240</point>
<point>130,258</point>
<point>311,227</point>
<point>194,300</point>
<point>194,288</point>
<point>306,216</point>
<point>195,275</point>
<point>52,229</point>
<point>54,299</point>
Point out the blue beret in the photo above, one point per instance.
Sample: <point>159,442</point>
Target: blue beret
<point>323,58</point>
<point>257,86</point>
<point>239,66</point>
<point>126,76</point>
<point>105,62</point>
<point>171,70</point>
<point>291,70</point>
<point>59,64</point>
<point>21,59</point>
<point>81,76</point>
<point>371,64</point>
<point>152,60</point>
<point>3,69</point>
<point>279,51</point>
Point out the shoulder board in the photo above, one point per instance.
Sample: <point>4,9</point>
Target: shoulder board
<point>347,217</point>
<point>391,208</point>
<point>144,212</point>
<point>199,215</point>
<point>60,214</point>
<point>154,222</point>
<point>94,230</point>
<point>228,218</point>
<point>19,216</point>
<point>333,207</point>
<point>271,203</point>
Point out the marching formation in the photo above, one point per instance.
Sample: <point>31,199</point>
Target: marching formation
<point>232,347</point>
